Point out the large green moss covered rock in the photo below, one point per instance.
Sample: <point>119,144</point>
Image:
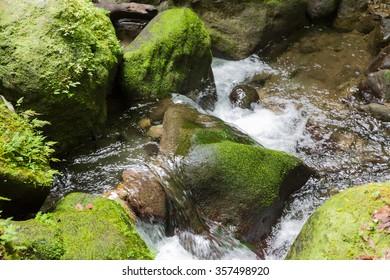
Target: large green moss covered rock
<point>233,180</point>
<point>240,28</point>
<point>61,56</point>
<point>345,228</point>
<point>82,227</point>
<point>171,55</point>
<point>25,174</point>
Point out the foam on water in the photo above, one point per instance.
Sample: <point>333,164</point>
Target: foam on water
<point>274,130</point>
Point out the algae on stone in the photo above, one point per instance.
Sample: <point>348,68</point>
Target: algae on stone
<point>171,55</point>
<point>82,227</point>
<point>343,227</point>
<point>61,56</point>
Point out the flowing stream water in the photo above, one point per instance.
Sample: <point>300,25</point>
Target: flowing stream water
<point>305,109</point>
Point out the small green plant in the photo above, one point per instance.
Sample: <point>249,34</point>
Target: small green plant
<point>23,148</point>
<point>45,218</point>
<point>8,236</point>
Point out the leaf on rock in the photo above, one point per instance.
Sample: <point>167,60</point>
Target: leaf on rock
<point>382,216</point>
<point>89,206</point>
<point>363,257</point>
<point>79,207</point>
<point>387,254</point>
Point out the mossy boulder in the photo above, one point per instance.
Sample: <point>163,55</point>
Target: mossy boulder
<point>344,227</point>
<point>61,57</point>
<point>82,227</point>
<point>240,28</point>
<point>233,180</point>
<point>184,128</point>
<point>171,55</point>
<point>25,174</point>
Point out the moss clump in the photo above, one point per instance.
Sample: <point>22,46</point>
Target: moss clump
<point>237,176</point>
<point>172,54</point>
<point>341,229</point>
<point>82,227</point>
<point>61,57</point>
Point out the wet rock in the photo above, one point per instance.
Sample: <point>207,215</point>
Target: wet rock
<point>321,8</point>
<point>171,55</point>
<point>59,64</point>
<point>376,86</point>
<point>233,179</point>
<point>82,227</point>
<point>382,33</point>
<point>243,96</point>
<point>142,191</point>
<point>145,124</point>
<point>381,61</point>
<point>155,131</point>
<point>343,227</point>
<point>185,127</point>
<point>159,109</point>
<point>379,111</point>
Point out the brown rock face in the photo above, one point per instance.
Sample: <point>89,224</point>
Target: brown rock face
<point>143,193</point>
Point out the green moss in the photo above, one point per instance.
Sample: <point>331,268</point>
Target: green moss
<point>100,229</point>
<point>24,153</point>
<point>61,57</point>
<point>172,54</point>
<point>334,231</point>
<point>248,167</point>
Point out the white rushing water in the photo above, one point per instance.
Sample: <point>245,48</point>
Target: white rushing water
<point>280,130</point>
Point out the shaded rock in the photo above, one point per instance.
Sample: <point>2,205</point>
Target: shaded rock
<point>129,10</point>
<point>243,96</point>
<point>155,131</point>
<point>321,8</point>
<point>158,110</point>
<point>240,28</point>
<point>381,61</point>
<point>343,227</point>
<point>348,14</point>
<point>82,227</point>
<point>25,174</point>
<point>171,55</point>
<point>381,34</point>
<point>61,57</point>
<point>144,194</point>
<point>376,86</point>
<point>379,111</point>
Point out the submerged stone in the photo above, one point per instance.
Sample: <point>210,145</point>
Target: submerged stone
<point>61,57</point>
<point>345,228</point>
<point>82,227</point>
<point>171,55</point>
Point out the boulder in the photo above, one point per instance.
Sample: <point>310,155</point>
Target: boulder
<point>171,55</point>
<point>350,225</point>
<point>185,127</point>
<point>61,57</point>
<point>142,191</point>
<point>232,179</point>
<point>379,111</point>
<point>82,227</point>
<point>321,8</point>
<point>376,86</point>
<point>243,96</point>
<point>25,174</point>
<point>240,28</point>
<point>349,13</point>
